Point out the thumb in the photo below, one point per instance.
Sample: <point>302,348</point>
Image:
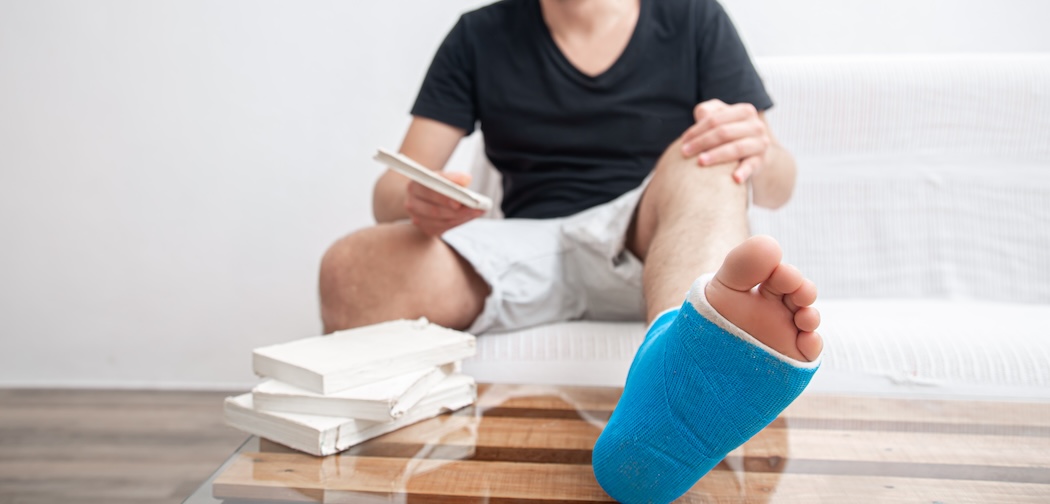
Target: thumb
<point>461,178</point>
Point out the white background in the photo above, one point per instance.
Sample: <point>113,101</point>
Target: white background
<point>172,171</point>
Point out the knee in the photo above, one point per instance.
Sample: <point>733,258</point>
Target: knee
<point>343,276</point>
<point>673,163</point>
<point>395,271</point>
<point>678,178</point>
<point>338,262</point>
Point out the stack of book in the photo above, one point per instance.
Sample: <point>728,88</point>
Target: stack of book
<point>327,393</point>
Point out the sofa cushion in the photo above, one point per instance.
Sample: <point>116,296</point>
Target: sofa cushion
<point>908,347</point>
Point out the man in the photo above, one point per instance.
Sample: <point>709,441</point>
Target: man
<point>627,133</point>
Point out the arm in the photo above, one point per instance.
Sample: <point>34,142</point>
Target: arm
<point>773,183</point>
<point>395,197</point>
<point>428,142</point>
<point>739,133</point>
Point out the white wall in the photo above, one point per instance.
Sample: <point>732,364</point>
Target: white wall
<point>171,172</point>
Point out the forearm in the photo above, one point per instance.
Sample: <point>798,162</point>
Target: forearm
<point>388,198</point>
<point>428,142</point>
<point>772,186</point>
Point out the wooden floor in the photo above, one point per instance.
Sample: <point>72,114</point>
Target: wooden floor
<point>109,446</point>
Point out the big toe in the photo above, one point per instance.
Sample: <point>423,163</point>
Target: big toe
<point>750,263</point>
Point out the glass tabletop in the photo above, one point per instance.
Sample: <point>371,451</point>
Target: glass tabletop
<point>532,443</point>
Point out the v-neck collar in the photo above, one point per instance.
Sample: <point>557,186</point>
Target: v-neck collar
<point>620,67</point>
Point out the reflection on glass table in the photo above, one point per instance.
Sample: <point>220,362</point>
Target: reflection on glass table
<point>532,443</point>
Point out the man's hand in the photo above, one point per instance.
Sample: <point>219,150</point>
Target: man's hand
<point>434,213</point>
<point>728,133</point>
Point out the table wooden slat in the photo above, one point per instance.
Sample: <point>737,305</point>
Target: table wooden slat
<point>532,444</point>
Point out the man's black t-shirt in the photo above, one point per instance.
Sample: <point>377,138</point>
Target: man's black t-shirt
<point>565,141</point>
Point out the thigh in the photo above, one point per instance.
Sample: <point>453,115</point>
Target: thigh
<point>393,271</point>
<point>643,224</point>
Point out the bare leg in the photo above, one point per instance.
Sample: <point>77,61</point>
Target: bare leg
<point>689,218</point>
<point>393,271</point>
<point>700,385</point>
<point>687,222</point>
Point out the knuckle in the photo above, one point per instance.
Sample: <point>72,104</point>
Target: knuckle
<point>723,134</point>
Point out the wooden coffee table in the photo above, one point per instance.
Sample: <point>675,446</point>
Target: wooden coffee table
<point>532,444</point>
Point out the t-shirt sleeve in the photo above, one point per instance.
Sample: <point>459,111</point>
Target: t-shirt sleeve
<point>725,69</point>
<point>448,91</point>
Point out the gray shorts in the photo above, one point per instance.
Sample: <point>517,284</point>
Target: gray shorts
<point>552,270</point>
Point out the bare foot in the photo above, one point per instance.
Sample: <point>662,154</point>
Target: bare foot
<point>768,299</point>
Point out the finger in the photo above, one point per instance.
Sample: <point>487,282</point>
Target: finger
<point>421,192</point>
<point>467,214</point>
<point>467,218</point>
<point>434,227</point>
<point>748,167</point>
<point>724,134</point>
<point>460,178</point>
<point>422,208</point>
<point>730,114</point>
<point>690,133</point>
<point>700,113</point>
<point>426,211</point>
<point>705,108</point>
<point>437,227</point>
<point>425,226</point>
<point>733,151</point>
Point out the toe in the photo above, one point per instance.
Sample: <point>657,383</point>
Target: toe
<point>807,319</point>
<point>810,345</point>
<point>785,278</point>
<point>750,263</point>
<point>805,295</point>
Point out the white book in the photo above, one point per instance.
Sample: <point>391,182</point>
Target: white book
<point>346,359</point>
<point>380,401</point>
<point>325,435</point>
<point>430,179</point>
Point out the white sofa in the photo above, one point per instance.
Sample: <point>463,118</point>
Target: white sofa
<point>922,211</point>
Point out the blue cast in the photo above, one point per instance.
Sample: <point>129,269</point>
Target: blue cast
<point>694,393</point>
